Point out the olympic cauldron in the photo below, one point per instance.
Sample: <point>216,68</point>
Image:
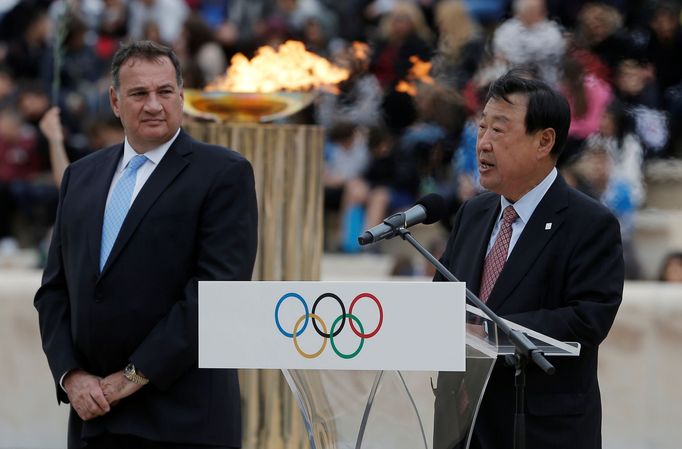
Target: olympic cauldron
<point>250,110</point>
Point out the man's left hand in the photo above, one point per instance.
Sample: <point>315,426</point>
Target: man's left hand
<point>116,387</point>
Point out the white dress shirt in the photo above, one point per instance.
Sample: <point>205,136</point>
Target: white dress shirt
<point>145,171</point>
<point>524,207</point>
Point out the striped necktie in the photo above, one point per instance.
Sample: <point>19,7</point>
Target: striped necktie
<point>496,258</point>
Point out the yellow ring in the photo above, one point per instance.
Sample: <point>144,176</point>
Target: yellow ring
<point>324,340</point>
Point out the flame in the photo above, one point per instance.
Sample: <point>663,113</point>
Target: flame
<point>289,68</point>
<point>419,72</point>
<point>360,51</point>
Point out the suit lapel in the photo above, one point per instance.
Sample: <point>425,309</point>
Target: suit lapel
<point>170,166</point>
<point>531,242</point>
<point>102,176</point>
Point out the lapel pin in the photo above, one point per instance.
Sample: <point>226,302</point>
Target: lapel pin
<point>548,226</point>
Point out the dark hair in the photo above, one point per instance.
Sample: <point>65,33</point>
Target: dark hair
<point>546,107</point>
<point>376,136</point>
<point>341,131</point>
<point>146,50</point>
<point>666,7</point>
<point>622,120</point>
<point>669,258</point>
<point>574,77</point>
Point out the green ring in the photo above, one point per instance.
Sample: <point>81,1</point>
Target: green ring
<point>331,336</point>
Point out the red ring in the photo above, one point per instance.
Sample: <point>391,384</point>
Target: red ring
<point>381,315</point>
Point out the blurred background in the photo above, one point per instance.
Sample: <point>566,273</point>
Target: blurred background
<point>400,124</point>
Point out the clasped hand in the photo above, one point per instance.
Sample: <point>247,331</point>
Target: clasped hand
<point>92,396</point>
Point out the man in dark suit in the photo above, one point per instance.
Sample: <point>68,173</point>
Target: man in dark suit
<point>541,255</point>
<point>138,225</point>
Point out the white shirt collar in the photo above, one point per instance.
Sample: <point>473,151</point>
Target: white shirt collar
<point>154,155</point>
<point>526,205</point>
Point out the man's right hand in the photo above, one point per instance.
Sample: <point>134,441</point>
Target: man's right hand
<point>85,394</point>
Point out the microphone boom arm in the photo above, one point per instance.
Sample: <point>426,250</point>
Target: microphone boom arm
<point>524,347</point>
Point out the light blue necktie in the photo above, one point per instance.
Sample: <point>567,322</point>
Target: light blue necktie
<point>117,207</point>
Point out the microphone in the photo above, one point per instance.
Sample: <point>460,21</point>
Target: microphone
<point>428,209</point>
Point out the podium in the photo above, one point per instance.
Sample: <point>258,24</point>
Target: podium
<point>365,407</point>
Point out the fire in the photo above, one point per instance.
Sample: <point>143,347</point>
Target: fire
<point>360,51</point>
<point>289,68</point>
<point>419,72</point>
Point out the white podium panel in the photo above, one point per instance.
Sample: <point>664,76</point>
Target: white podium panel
<point>410,326</point>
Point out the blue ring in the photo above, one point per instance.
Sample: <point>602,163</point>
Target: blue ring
<point>305,307</point>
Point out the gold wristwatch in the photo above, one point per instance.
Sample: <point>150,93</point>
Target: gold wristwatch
<point>132,375</point>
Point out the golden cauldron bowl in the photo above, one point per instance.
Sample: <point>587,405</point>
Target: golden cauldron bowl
<point>245,106</point>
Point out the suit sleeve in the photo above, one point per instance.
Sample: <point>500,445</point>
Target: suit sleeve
<point>226,250</point>
<point>593,288</point>
<point>52,303</point>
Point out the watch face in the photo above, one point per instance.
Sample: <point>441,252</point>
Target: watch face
<point>129,369</point>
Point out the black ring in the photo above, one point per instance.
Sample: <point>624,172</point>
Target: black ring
<point>343,311</point>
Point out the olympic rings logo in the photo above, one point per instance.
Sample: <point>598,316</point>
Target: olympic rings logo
<point>336,327</point>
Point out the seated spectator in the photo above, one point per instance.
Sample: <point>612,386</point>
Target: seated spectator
<point>487,11</point>
<point>588,97</point>
<point>616,130</point>
<point>663,47</point>
<point>316,36</point>
<point>346,159</point>
<point>425,149</point>
<point>113,22</point>
<point>201,57</point>
<point>636,88</point>
<point>594,173</point>
<point>636,84</point>
<point>359,97</point>
<point>79,74</point>
<point>600,30</point>
<point>531,39</point>
<point>168,15</point>
<point>8,89</point>
<point>671,270</point>
<point>24,191</point>
<point>460,43</point>
<point>32,104</point>
<point>27,49</point>
<point>386,192</point>
<point>465,164</point>
<point>403,33</point>
<point>102,132</point>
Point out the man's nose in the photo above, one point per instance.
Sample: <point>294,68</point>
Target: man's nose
<point>483,142</point>
<point>152,104</point>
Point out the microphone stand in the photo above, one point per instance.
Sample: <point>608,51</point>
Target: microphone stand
<point>525,350</point>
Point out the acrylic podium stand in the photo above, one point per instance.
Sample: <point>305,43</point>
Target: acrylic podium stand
<point>406,410</point>
<point>440,353</point>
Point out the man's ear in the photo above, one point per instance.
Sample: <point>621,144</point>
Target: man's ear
<point>546,140</point>
<point>113,100</point>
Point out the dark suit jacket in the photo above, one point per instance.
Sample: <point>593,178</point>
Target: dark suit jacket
<point>194,219</point>
<point>565,282</point>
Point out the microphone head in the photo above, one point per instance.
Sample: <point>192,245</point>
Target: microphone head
<point>434,206</point>
<point>365,238</point>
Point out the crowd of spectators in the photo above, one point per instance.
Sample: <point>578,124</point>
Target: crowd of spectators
<point>617,61</point>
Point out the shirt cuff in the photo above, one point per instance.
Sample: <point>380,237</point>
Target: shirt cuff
<point>61,380</point>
